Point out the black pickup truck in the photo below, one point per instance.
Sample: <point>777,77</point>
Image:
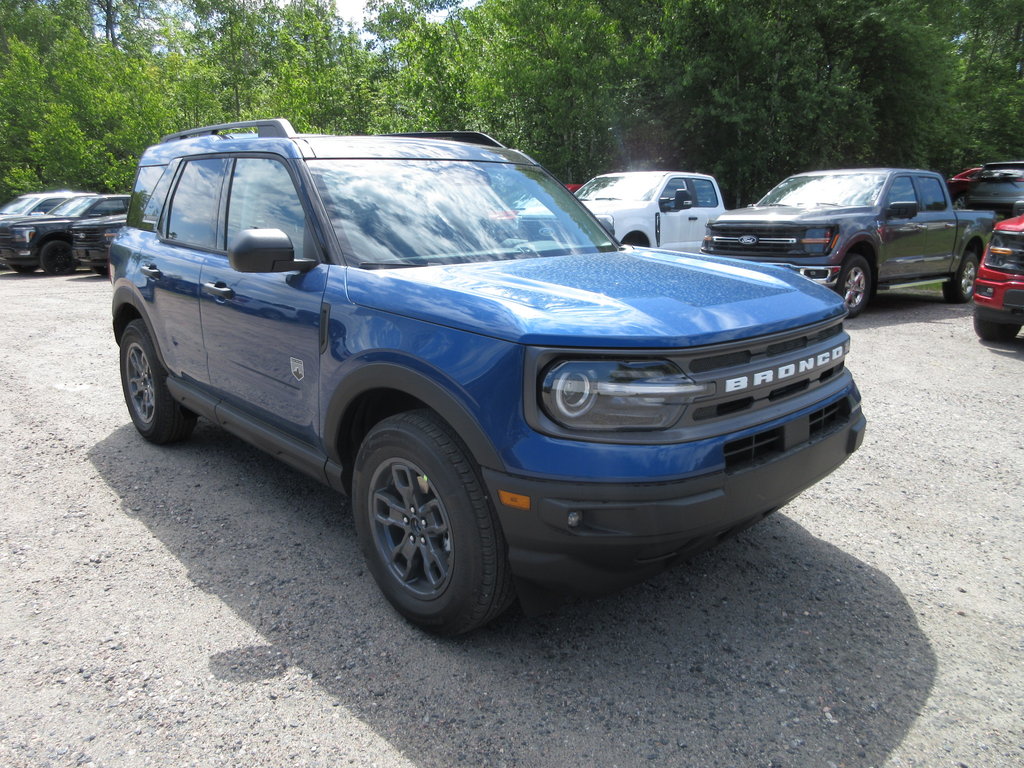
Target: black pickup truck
<point>30,242</point>
<point>90,241</point>
<point>860,230</point>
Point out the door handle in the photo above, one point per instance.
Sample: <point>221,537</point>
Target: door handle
<point>219,289</point>
<point>693,218</point>
<point>150,270</point>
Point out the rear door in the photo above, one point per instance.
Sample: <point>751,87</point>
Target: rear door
<point>939,220</point>
<point>262,330</point>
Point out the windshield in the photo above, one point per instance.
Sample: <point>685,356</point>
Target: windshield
<point>19,205</point>
<point>630,186</point>
<point>839,189</point>
<point>395,213</point>
<point>72,206</point>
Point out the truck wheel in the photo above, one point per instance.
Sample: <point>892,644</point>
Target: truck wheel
<point>854,283</point>
<point>426,528</point>
<point>960,289</point>
<point>156,415</point>
<point>56,259</point>
<point>636,238</point>
<point>989,331</point>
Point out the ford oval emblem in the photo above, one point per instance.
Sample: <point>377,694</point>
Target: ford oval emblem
<point>748,240</point>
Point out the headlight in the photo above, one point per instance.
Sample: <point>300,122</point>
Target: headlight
<point>23,234</point>
<point>617,395</point>
<point>1005,252</point>
<point>819,240</point>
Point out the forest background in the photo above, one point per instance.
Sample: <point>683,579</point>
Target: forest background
<point>748,90</point>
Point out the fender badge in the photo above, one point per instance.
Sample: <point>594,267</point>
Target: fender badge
<point>297,369</point>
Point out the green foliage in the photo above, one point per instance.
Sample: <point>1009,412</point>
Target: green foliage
<point>749,91</point>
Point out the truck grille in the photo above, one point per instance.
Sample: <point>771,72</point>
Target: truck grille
<point>760,241</point>
<point>6,238</point>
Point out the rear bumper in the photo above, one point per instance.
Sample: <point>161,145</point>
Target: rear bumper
<point>589,538</point>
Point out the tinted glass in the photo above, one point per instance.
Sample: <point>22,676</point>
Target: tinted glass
<point>74,206</point>
<point>827,189</point>
<point>417,212</point>
<point>145,181</point>
<point>263,197</point>
<point>901,191</point>
<point>705,194</point>
<point>193,214</point>
<point>932,196</point>
<point>668,194</point>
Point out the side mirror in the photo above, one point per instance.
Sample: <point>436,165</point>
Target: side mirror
<point>1018,208</point>
<point>905,209</point>
<point>265,250</point>
<point>607,221</point>
<point>680,201</point>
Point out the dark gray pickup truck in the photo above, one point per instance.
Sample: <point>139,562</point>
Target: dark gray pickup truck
<point>860,230</point>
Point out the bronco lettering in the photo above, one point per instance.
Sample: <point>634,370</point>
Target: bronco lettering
<point>770,375</point>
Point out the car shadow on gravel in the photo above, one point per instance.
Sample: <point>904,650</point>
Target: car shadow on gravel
<point>775,649</point>
<point>910,306</point>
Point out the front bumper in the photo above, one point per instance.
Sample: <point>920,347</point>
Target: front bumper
<point>590,538</point>
<point>18,257</point>
<point>90,257</point>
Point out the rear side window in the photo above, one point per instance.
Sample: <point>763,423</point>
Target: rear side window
<point>192,219</point>
<point>704,194</point>
<point>932,198</point>
<point>143,197</point>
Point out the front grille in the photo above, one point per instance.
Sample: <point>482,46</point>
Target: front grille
<point>88,237</point>
<point>6,238</point>
<point>756,449</point>
<point>755,241</point>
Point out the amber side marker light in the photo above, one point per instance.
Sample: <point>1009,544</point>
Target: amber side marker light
<point>514,500</point>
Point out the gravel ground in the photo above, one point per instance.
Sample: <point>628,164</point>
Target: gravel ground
<point>203,605</point>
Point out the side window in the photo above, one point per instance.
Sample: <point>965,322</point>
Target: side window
<point>704,194</point>
<point>193,215</point>
<point>264,197</point>
<point>109,207</point>
<point>932,198</point>
<point>45,206</point>
<point>901,191</point>
<point>668,194</point>
<point>144,208</point>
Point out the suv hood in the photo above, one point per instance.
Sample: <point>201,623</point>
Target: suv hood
<point>20,221</point>
<point>636,298</point>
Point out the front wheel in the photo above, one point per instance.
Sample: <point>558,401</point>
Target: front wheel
<point>156,415</point>
<point>960,289</point>
<point>989,331</point>
<point>426,528</point>
<point>56,258</point>
<point>854,284</point>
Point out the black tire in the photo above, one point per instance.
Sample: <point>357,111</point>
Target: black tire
<point>960,289</point>
<point>156,415</point>
<point>103,271</point>
<point>56,258</point>
<point>426,528</point>
<point>989,331</point>
<point>855,284</point>
<point>23,269</point>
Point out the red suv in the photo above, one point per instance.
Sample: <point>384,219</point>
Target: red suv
<point>999,288</point>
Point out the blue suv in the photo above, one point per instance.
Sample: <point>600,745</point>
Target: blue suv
<point>516,404</point>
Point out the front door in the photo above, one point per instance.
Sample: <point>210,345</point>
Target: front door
<point>262,330</point>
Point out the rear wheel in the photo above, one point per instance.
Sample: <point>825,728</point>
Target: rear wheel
<point>56,258</point>
<point>156,415</point>
<point>960,289</point>
<point>989,331</point>
<point>426,528</point>
<point>855,283</point>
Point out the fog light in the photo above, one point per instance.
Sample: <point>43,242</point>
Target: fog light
<point>984,290</point>
<point>574,518</point>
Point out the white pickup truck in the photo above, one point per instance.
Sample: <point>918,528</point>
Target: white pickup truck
<point>660,209</point>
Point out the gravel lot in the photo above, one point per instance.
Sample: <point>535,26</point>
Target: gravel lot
<point>203,605</point>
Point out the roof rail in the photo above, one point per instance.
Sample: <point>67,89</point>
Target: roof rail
<point>469,137</point>
<point>277,128</point>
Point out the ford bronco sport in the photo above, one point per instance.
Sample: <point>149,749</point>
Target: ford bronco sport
<point>516,404</point>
